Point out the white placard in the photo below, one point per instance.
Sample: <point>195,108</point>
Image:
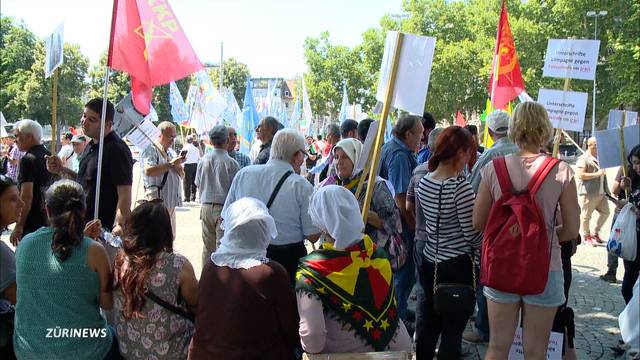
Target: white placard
<point>144,135</point>
<point>3,123</point>
<point>615,118</point>
<point>554,350</point>
<point>575,59</point>
<point>414,70</point>
<point>566,109</point>
<point>608,142</point>
<point>54,46</point>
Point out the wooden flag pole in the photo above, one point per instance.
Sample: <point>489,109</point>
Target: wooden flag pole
<point>54,110</point>
<point>377,145</point>
<point>558,135</point>
<point>101,145</point>
<point>622,154</point>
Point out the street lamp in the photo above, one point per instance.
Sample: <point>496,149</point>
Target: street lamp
<point>595,15</point>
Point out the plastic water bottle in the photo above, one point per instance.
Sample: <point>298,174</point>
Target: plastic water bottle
<point>113,240</point>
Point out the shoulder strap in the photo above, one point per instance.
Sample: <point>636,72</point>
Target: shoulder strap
<point>538,178</point>
<point>172,308</point>
<point>277,188</point>
<point>502,173</point>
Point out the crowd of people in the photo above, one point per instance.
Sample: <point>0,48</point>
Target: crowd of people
<point>437,223</point>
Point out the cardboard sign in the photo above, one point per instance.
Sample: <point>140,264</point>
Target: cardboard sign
<point>144,135</point>
<point>615,118</point>
<point>414,70</point>
<point>575,59</point>
<point>54,46</point>
<point>609,145</point>
<point>554,350</point>
<point>566,109</point>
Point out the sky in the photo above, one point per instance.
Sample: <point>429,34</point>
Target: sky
<point>267,35</point>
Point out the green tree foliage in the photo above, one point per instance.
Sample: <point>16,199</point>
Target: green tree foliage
<point>160,99</point>
<point>16,59</point>
<point>119,83</point>
<point>37,92</point>
<point>465,33</point>
<point>235,76</point>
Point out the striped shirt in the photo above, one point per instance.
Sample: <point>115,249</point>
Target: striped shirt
<point>456,235</point>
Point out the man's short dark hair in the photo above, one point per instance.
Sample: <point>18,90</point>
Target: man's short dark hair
<point>472,129</point>
<point>95,105</point>
<point>363,129</point>
<point>428,122</point>
<point>68,136</point>
<point>347,126</point>
<point>319,137</point>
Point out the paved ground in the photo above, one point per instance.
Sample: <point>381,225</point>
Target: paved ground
<point>595,302</point>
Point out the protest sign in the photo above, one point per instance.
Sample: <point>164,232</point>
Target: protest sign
<point>615,118</point>
<point>144,134</point>
<point>566,109</point>
<point>609,144</point>
<point>554,350</point>
<point>574,59</point>
<point>412,76</point>
<point>3,123</point>
<point>54,46</point>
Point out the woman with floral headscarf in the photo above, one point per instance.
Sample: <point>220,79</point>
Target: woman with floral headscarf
<point>247,309</point>
<point>345,295</point>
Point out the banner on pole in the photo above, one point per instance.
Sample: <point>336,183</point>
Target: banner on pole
<point>615,118</point>
<point>414,70</point>
<point>574,59</point>
<point>54,50</point>
<point>3,123</point>
<point>609,144</point>
<point>566,109</point>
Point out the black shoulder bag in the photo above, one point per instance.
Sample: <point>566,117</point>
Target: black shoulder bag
<point>452,297</point>
<point>277,188</point>
<point>172,308</point>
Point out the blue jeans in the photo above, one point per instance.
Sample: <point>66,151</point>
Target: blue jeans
<point>420,295</point>
<point>403,281</point>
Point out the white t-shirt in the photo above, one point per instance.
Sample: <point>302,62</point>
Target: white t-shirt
<point>65,152</point>
<point>193,154</point>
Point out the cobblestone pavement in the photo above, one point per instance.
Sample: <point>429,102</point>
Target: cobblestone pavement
<point>596,303</point>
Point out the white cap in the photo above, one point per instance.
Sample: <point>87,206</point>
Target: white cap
<point>498,122</point>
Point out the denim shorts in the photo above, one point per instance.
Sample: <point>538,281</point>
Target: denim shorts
<point>553,294</point>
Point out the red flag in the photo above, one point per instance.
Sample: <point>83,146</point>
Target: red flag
<point>460,121</point>
<point>148,43</point>
<point>509,83</point>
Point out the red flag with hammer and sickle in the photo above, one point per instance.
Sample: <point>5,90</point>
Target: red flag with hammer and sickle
<point>508,83</point>
<point>148,43</point>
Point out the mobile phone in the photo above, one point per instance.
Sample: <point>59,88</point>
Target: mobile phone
<point>183,153</point>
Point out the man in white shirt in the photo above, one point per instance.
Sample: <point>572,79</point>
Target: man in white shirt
<point>163,170</point>
<point>66,152</point>
<point>78,142</point>
<point>192,156</point>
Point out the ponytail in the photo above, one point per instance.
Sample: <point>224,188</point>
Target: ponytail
<point>65,201</point>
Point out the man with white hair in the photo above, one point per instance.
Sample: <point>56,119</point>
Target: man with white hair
<point>286,195</point>
<point>163,171</point>
<point>498,123</point>
<point>33,178</point>
<point>214,175</point>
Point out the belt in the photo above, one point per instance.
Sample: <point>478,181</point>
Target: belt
<point>211,203</point>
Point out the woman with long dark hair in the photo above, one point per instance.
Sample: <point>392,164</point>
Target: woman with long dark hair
<point>62,279</point>
<point>446,200</point>
<point>155,288</point>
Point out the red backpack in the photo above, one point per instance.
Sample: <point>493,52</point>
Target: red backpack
<point>515,248</point>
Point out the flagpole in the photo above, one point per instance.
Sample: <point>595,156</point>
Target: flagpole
<point>54,110</point>
<point>101,144</point>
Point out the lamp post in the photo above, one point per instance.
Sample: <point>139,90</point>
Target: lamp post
<point>595,15</point>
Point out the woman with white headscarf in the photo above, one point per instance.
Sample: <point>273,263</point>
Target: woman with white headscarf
<point>247,308</point>
<point>383,221</point>
<point>344,290</point>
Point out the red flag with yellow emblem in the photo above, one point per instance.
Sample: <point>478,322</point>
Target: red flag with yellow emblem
<point>508,84</point>
<point>148,43</point>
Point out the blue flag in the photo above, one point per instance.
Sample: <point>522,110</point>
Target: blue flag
<point>295,114</point>
<point>344,106</point>
<point>284,117</point>
<point>250,120</point>
<point>179,110</point>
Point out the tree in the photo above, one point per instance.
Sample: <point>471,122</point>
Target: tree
<point>16,58</point>
<point>71,87</point>
<point>161,101</point>
<point>235,75</point>
<point>119,82</point>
